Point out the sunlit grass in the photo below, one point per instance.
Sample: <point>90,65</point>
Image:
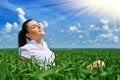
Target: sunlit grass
<point>70,65</point>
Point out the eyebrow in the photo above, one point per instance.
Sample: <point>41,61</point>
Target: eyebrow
<point>35,24</point>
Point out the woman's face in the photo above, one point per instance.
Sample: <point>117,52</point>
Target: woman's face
<point>35,30</point>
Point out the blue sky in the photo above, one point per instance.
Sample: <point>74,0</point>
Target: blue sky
<point>67,23</point>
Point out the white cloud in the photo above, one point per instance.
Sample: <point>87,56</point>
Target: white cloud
<point>8,27</point>
<point>73,28</point>
<point>94,27</point>
<point>15,25</point>
<point>105,35</point>
<point>20,11</point>
<point>104,21</point>
<point>106,27</point>
<point>21,14</point>
<point>9,32</point>
<point>116,39</point>
<point>108,36</point>
<point>103,38</point>
<point>22,18</point>
<point>45,24</point>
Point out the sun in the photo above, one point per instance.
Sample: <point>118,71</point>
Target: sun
<point>109,8</point>
<point>98,8</point>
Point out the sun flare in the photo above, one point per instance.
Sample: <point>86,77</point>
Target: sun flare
<point>108,6</point>
<point>101,7</point>
<point>109,9</point>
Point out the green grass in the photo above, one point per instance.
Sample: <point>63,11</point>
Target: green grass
<point>70,65</point>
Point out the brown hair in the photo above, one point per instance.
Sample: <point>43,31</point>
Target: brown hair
<point>22,39</point>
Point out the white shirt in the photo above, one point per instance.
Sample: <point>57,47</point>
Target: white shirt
<point>42,53</point>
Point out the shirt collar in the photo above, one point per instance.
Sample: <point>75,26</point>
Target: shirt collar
<point>32,42</point>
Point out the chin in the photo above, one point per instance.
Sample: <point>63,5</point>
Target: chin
<point>42,33</point>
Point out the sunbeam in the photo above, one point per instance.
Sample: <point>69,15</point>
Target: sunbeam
<point>98,8</point>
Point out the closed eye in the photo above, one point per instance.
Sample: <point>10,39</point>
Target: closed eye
<point>34,27</point>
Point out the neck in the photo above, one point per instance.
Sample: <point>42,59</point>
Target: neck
<point>39,41</point>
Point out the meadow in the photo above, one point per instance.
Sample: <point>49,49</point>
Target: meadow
<point>70,65</point>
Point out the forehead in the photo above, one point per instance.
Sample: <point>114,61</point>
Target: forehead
<point>31,23</point>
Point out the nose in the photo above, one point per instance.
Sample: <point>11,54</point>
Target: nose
<point>39,26</point>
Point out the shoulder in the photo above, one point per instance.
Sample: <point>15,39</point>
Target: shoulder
<point>26,46</point>
<point>25,51</point>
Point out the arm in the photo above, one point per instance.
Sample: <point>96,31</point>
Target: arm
<point>22,58</point>
<point>24,54</point>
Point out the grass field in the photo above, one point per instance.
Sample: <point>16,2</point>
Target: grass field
<point>70,65</point>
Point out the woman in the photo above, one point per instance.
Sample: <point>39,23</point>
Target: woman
<point>31,44</point>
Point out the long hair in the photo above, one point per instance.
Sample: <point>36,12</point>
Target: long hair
<point>22,39</point>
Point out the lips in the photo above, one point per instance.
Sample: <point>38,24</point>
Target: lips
<point>41,30</point>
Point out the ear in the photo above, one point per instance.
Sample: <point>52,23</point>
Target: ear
<point>27,35</point>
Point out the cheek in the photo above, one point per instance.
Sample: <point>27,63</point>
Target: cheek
<point>33,31</point>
